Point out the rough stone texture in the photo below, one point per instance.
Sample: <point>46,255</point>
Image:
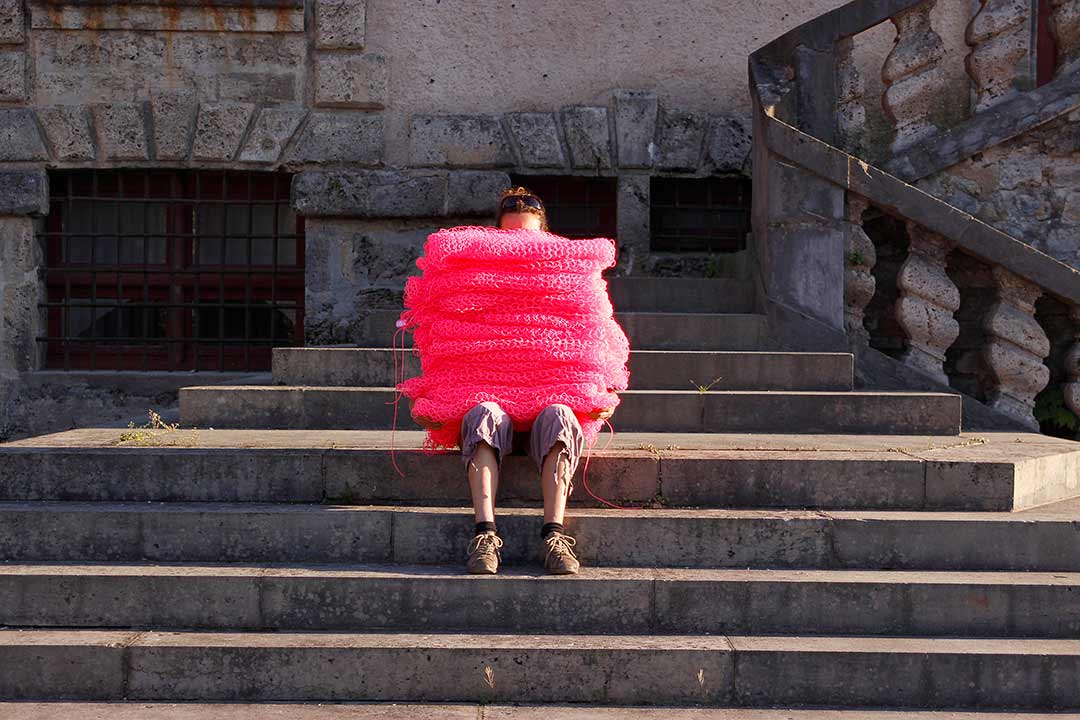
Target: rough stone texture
<point>474,192</point>
<point>19,136</point>
<point>681,139</point>
<point>635,128</point>
<point>587,136</point>
<point>24,192</point>
<point>122,130</point>
<point>458,140</point>
<point>370,193</point>
<point>258,87</point>
<point>11,21</point>
<point>353,80</point>
<point>12,75</point>
<point>174,120</point>
<point>172,16</point>
<point>727,143</point>
<point>272,129</point>
<point>354,138</point>
<point>133,65</point>
<point>632,217</point>
<point>1065,29</point>
<point>20,292</point>
<point>1025,187</point>
<point>219,128</point>
<point>859,260</point>
<point>340,23</point>
<point>67,128</point>
<point>356,266</point>
<point>537,139</point>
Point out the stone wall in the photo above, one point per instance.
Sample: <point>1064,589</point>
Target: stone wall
<point>1028,187</point>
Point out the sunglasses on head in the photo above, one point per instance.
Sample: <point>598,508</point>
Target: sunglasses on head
<point>510,203</point>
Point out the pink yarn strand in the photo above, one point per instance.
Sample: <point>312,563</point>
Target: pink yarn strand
<point>397,392</point>
<point>585,472</point>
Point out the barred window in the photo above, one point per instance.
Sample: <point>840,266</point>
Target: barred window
<point>577,206</point>
<point>154,269</point>
<point>699,214</point>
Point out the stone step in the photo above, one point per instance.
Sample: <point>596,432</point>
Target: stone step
<point>1042,539</point>
<point>681,295</point>
<point>681,411</point>
<point>645,330</point>
<point>733,670</point>
<point>649,369</point>
<point>58,710</point>
<point>420,598</point>
<point>989,471</point>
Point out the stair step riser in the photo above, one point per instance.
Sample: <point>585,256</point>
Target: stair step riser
<point>661,539</point>
<point>688,412</point>
<point>645,331</point>
<point>674,370</point>
<point>530,604</point>
<point>825,480</point>
<point>681,295</point>
<point>702,672</point>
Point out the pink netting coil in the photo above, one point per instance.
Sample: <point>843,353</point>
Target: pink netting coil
<point>519,317</point>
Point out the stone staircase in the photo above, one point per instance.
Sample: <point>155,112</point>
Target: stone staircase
<point>692,372</point>
<point>842,548</point>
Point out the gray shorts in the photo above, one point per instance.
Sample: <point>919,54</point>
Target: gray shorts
<point>490,423</point>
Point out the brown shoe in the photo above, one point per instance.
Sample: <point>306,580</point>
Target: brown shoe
<point>484,554</point>
<point>559,559</point>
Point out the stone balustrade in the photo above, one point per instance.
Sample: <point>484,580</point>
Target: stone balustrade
<point>1065,29</point>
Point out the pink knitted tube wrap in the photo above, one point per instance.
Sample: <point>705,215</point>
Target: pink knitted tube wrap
<point>519,317</point>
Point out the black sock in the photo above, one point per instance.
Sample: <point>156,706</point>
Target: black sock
<point>550,528</point>
<point>482,527</point>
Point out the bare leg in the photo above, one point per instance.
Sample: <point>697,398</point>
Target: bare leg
<point>555,481</point>
<point>484,481</point>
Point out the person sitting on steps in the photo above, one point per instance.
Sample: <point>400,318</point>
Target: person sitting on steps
<point>554,443</point>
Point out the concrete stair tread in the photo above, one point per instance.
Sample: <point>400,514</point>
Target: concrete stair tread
<point>649,369</point>
<point>1065,511</point>
<point>618,669</point>
<point>989,471</point>
<point>143,710</point>
<point>818,644</point>
<point>587,575</point>
<point>1023,444</point>
<point>691,410</point>
<point>1040,539</point>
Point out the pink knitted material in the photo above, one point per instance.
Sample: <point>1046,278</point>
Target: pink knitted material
<point>519,317</point>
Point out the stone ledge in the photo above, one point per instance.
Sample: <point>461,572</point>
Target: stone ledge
<point>391,193</point>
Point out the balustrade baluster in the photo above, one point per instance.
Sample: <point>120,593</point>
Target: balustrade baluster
<point>913,77</point>
<point>999,62</point>
<point>1015,348</point>
<point>859,259</point>
<point>1072,364</point>
<point>928,299</point>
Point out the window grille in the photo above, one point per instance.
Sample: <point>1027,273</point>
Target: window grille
<point>699,214</point>
<point>153,269</point>
<point>577,206</point>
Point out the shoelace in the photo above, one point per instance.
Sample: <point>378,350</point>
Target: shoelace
<point>485,543</point>
<point>559,543</point>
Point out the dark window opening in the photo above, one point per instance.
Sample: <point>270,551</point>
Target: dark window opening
<point>1045,47</point>
<point>577,206</point>
<point>150,269</point>
<point>699,214</point>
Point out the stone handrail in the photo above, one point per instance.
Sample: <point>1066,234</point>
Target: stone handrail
<point>811,197</point>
